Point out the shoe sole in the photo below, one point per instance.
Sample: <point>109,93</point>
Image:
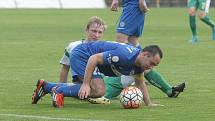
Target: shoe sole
<point>99,101</point>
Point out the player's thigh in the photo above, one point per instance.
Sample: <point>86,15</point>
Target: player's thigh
<point>122,38</point>
<point>192,3</point>
<point>133,40</point>
<point>203,8</point>
<point>203,5</point>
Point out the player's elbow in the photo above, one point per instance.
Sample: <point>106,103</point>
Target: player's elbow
<point>97,58</point>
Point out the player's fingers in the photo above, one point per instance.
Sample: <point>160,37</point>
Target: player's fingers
<point>83,95</point>
<point>114,8</point>
<point>146,10</point>
<point>86,95</point>
<point>80,94</point>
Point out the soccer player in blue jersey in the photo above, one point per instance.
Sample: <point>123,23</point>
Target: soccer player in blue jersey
<point>203,7</point>
<point>131,23</point>
<point>129,29</point>
<point>112,59</point>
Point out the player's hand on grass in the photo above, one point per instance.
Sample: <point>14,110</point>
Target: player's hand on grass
<point>114,5</point>
<point>84,91</point>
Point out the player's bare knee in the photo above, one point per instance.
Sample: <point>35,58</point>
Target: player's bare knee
<point>192,12</point>
<point>201,15</point>
<point>122,38</point>
<point>133,40</point>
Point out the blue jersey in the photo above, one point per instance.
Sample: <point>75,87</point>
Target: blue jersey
<point>131,21</point>
<point>119,59</point>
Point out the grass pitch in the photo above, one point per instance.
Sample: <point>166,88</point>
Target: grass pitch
<point>32,43</point>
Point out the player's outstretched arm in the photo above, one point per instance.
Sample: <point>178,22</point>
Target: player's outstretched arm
<point>140,83</point>
<point>93,61</point>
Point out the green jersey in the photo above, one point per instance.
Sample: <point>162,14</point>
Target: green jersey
<point>202,5</point>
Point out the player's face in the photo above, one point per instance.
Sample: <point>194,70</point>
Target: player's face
<point>95,32</point>
<point>149,61</point>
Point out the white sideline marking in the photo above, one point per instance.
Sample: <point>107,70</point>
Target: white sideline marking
<point>47,118</point>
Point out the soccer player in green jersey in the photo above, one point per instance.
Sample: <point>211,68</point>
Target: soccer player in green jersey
<point>202,6</point>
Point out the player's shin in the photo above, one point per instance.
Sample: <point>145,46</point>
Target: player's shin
<point>156,79</point>
<point>193,25</point>
<point>208,21</point>
<point>49,85</point>
<point>69,90</point>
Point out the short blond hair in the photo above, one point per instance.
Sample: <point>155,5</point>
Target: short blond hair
<point>97,20</point>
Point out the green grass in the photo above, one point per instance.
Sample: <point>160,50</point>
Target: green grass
<point>33,41</point>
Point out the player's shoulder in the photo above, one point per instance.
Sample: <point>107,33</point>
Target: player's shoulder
<point>129,52</point>
<point>74,44</point>
<point>128,48</point>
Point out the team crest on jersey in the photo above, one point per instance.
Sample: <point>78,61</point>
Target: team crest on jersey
<point>115,58</point>
<point>122,24</point>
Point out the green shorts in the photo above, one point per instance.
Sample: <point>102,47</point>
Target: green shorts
<point>113,86</point>
<point>202,5</point>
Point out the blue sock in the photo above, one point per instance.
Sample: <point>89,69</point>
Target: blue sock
<point>49,85</point>
<point>69,90</point>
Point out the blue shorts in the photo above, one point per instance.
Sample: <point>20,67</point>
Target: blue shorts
<point>131,21</point>
<point>78,60</point>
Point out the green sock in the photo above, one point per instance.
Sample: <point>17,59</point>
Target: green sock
<point>193,25</point>
<point>156,79</point>
<point>208,21</point>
